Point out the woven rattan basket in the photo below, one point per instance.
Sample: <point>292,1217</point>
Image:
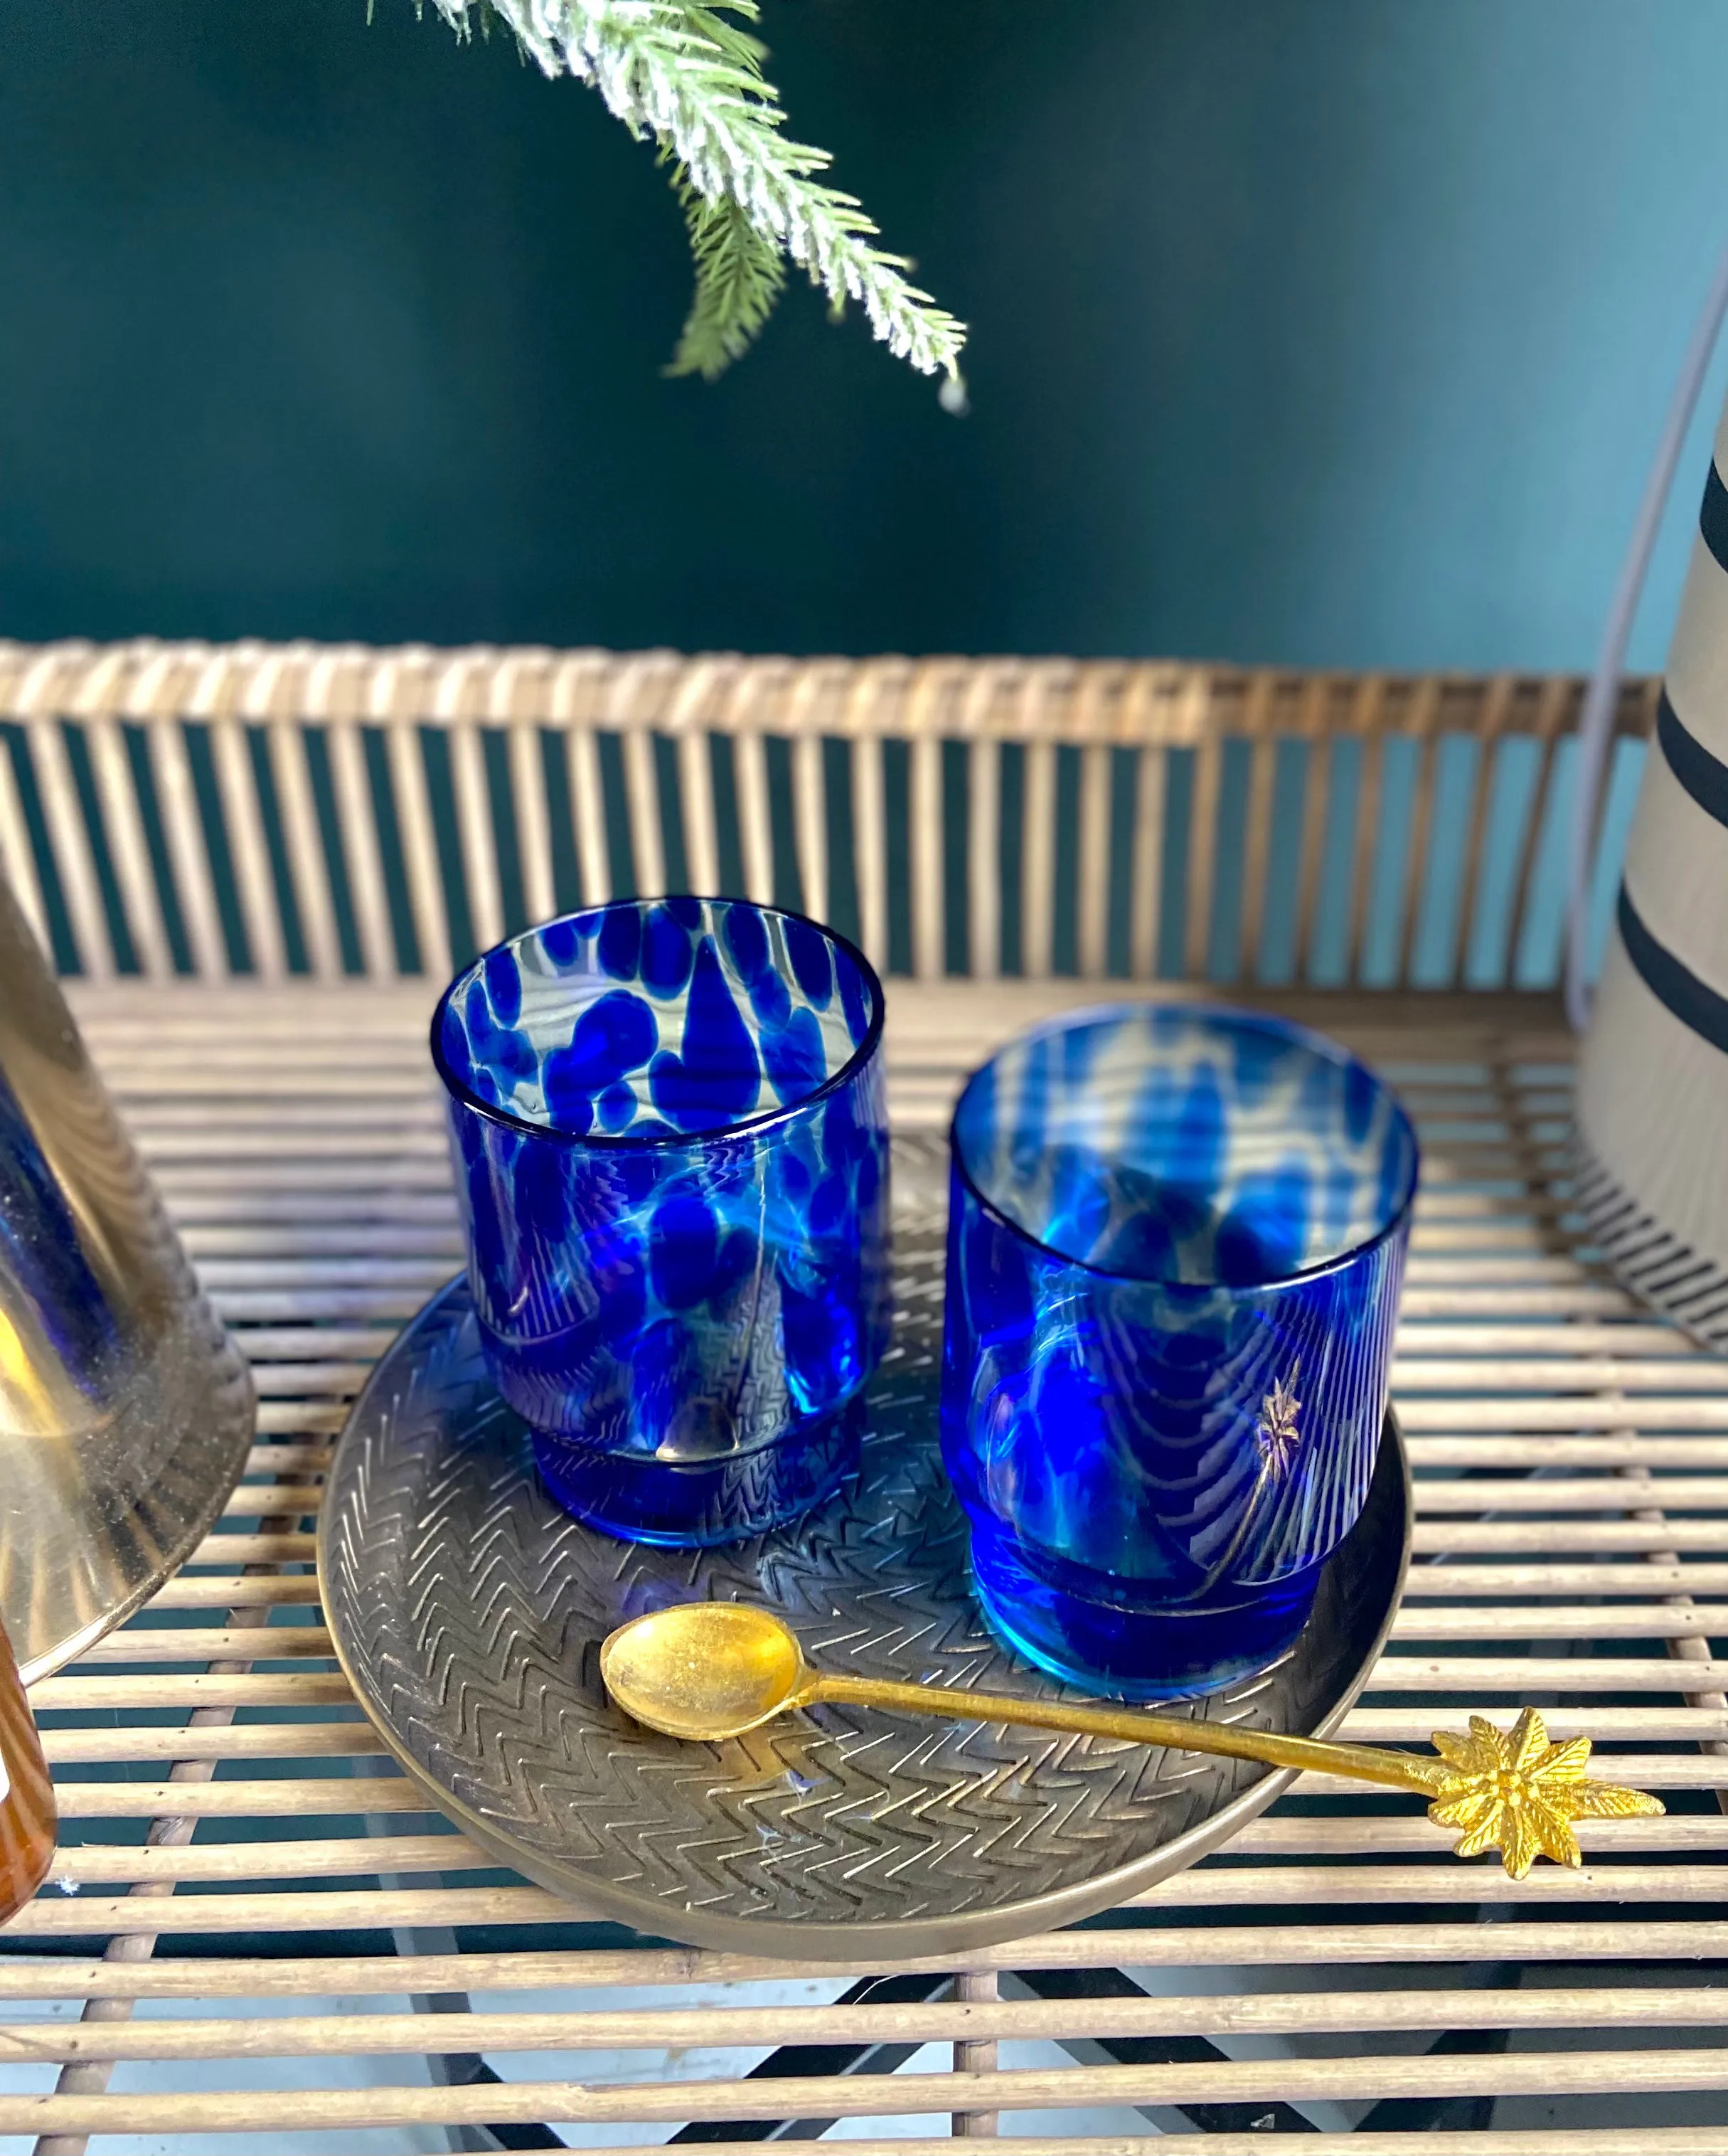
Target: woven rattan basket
<point>261,862</point>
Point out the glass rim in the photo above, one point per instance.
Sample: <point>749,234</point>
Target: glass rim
<point>1319,1045</point>
<point>625,1141</point>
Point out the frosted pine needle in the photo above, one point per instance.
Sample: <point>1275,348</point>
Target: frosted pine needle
<point>686,76</point>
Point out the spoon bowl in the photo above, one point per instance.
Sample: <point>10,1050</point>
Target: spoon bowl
<point>705,1671</point>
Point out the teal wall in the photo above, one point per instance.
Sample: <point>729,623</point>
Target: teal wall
<point>1330,331</point>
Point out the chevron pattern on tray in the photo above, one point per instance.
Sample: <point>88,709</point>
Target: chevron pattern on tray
<point>469,1609</point>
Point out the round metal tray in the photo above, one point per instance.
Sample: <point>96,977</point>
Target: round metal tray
<point>468,1611</point>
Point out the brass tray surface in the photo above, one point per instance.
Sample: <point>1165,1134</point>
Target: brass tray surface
<point>467,1610</point>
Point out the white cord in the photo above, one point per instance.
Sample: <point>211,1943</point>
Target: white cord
<point>1596,721</point>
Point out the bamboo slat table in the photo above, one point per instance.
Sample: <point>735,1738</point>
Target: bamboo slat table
<point>261,862</point>
<point>1335,1969</point>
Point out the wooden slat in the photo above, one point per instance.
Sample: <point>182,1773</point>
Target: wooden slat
<point>922,721</point>
<point>1234,2081</point>
<point>809,790</point>
<point>1481,1450</point>
<point>70,843</point>
<point>960,2020</point>
<point>422,869</point>
<point>129,851</point>
<point>183,828</point>
<point>1547,1578</point>
<point>870,848</point>
<point>401,1855</point>
<point>587,806</point>
<point>360,845</point>
<point>1095,861</point>
<point>983,823</point>
<point>254,884</point>
<point>1495,708</point>
<point>1564,1620</point>
<point>1639,2141</point>
<point>216,1590</point>
<point>756,840</point>
<point>686,720</point>
<point>274,1741</point>
<point>1248,1946</point>
<point>1440,1882</point>
<point>1038,859</point>
<point>1370,778</point>
<point>192,1689</point>
<point>1424,790</point>
<point>163,1643</point>
<point>304,847</point>
<point>1547,731</point>
<point>1203,854</point>
<point>1317,806</point>
<point>474,832</point>
<point>1146,889</point>
<point>1554,1536</point>
<point>1257,832</point>
<point>1584,1494</point>
<point>534,828</point>
<point>646,832</point>
<point>17,855</point>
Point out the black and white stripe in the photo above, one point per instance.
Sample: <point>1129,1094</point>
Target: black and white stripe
<point>1704,776</point>
<point>1654,1264</point>
<point>1653,1083</point>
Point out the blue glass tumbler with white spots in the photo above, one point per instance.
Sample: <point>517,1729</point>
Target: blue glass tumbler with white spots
<point>671,1149</point>
<point>1176,1243</point>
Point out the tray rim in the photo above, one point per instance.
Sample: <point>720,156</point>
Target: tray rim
<point>902,1939</point>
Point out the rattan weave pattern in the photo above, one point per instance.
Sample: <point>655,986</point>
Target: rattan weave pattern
<point>274,809</point>
<point>296,1135</point>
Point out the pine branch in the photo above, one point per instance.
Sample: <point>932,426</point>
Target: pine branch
<point>739,277</point>
<point>685,74</point>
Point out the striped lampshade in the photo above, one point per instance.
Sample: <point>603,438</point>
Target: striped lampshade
<point>1653,1091</point>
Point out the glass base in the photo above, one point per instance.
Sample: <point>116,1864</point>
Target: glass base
<point>1146,1651</point>
<point>693,1504</point>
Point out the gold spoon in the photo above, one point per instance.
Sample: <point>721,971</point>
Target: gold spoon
<point>708,1670</point>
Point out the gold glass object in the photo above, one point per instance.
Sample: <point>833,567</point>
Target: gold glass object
<point>125,1411</point>
<point>707,1671</point>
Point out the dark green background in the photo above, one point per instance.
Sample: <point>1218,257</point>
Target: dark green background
<point>1330,330</point>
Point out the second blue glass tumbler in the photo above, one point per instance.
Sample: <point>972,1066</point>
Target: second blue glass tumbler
<point>671,1146</point>
<point>1176,1239</point>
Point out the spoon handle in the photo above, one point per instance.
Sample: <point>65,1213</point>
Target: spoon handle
<point>1361,1762</point>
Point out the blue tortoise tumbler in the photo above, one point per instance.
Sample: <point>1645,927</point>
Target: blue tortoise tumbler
<point>1175,1246</point>
<point>671,1150</point>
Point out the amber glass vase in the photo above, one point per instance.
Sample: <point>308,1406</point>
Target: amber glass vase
<point>27,1796</point>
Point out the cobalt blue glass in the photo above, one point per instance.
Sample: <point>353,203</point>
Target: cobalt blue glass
<point>1176,1241</point>
<point>671,1150</point>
